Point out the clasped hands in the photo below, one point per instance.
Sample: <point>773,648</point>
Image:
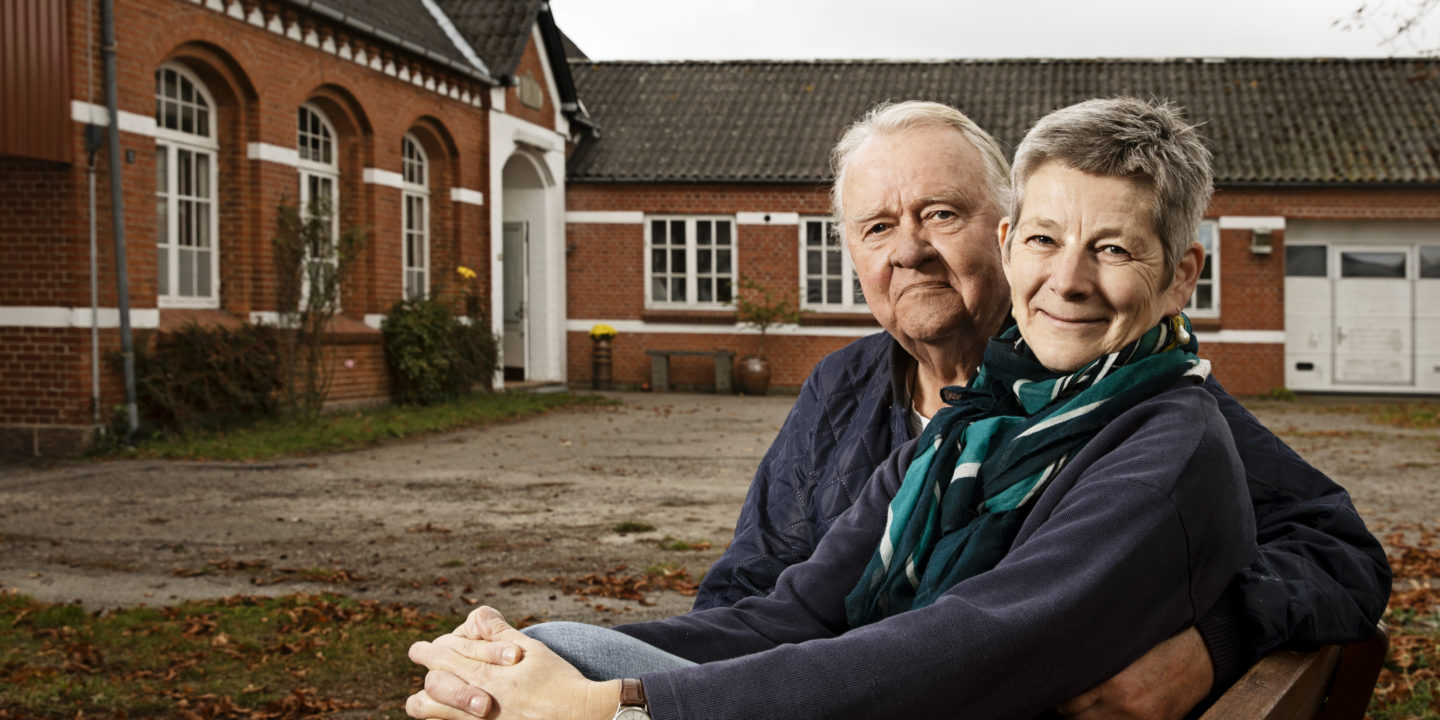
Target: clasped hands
<point>488,669</point>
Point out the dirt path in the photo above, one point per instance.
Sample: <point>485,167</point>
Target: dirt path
<point>493,514</point>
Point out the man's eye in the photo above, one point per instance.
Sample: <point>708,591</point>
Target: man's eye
<point>877,228</point>
<point>943,215</point>
<point>1040,240</point>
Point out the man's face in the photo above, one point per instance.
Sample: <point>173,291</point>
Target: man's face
<point>920,224</point>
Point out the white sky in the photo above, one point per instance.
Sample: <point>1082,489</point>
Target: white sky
<point>914,29</point>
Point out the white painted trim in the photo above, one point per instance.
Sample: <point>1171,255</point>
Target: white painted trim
<point>265,152</point>
<point>767,218</point>
<point>64,317</point>
<point>1241,337</point>
<point>467,196</point>
<point>641,326</point>
<point>1252,222</point>
<point>265,317</point>
<point>545,140</point>
<point>606,217</point>
<point>386,178</point>
<point>84,112</point>
<point>373,320</point>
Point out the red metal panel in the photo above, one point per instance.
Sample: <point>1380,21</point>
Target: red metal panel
<point>35,80</point>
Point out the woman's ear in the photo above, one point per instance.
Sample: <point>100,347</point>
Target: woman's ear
<point>1187,274</point>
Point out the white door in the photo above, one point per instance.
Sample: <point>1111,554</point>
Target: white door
<point>1374,316</point>
<point>516,259</point>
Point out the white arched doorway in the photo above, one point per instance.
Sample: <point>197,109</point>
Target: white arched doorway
<point>526,307</point>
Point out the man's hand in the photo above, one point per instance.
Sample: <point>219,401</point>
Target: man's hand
<point>488,669</point>
<point>1163,685</point>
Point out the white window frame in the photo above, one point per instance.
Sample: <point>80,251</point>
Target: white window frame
<point>414,194</point>
<point>1212,256</point>
<point>320,172</point>
<point>170,145</point>
<point>691,274</point>
<point>848,281</point>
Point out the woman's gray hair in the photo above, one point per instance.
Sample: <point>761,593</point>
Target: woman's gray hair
<point>1148,142</point>
<point>889,118</point>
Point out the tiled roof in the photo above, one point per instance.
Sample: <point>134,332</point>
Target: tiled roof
<point>1295,122</point>
<point>405,23</point>
<point>497,29</point>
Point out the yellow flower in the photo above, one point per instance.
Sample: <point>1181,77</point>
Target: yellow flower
<point>465,272</point>
<point>603,332</point>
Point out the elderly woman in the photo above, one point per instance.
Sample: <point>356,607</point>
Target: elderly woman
<point>1079,502</point>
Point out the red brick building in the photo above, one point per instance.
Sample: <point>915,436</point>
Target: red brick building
<point>431,125</point>
<point>455,132</point>
<point>1323,235</point>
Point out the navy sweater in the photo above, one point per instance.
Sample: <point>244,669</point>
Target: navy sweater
<point>1135,538</point>
<point>1319,577</point>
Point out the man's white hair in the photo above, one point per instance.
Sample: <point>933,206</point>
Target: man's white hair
<point>891,118</point>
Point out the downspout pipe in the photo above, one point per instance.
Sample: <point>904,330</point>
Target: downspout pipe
<point>117,206</point>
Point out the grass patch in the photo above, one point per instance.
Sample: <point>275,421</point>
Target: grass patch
<point>632,526</point>
<point>296,656</point>
<point>349,430</point>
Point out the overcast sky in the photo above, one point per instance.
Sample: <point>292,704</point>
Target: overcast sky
<point>914,29</point>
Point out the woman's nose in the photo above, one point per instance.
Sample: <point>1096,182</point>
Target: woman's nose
<point>912,247</point>
<point>1072,274</point>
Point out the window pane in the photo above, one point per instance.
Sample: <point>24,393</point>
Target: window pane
<point>833,262</point>
<point>657,260</point>
<point>162,223</point>
<point>812,262</point>
<point>677,261</point>
<point>705,290</point>
<point>182,222</point>
<point>703,260</point>
<point>723,290</point>
<point>187,118</point>
<point>832,291</point>
<point>677,289</point>
<point>722,261</point>
<point>162,169</point>
<point>202,123</point>
<point>1372,265</point>
<point>722,232</point>
<point>202,175</point>
<point>202,225</point>
<point>202,273</point>
<point>657,232</point>
<point>812,292</point>
<point>1306,261</point>
<point>657,289</point>
<point>702,233</point>
<point>858,294</point>
<point>187,272</point>
<point>1204,297</point>
<point>186,185</point>
<point>1205,269</point>
<point>813,233</point>
<point>677,232</point>
<point>1430,261</point>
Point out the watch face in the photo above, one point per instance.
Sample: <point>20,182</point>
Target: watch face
<point>630,712</point>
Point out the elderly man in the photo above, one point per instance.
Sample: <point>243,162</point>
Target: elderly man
<point>919,190</point>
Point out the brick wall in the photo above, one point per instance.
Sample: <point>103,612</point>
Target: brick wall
<point>257,79</point>
<point>607,283</point>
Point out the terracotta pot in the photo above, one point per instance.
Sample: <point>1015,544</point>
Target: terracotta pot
<point>752,375</point>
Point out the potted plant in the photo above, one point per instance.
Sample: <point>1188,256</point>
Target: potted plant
<point>761,307</point>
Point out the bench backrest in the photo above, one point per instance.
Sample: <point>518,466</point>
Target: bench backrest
<point>1332,683</point>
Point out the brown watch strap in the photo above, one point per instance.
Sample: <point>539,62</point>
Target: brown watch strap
<point>632,693</point>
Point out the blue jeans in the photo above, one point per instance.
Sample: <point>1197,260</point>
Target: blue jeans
<point>601,653</point>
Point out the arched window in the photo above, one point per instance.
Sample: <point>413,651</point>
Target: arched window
<point>319,175</point>
<point>416,221</point>
<point>187,222</point>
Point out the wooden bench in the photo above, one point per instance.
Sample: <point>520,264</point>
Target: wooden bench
<point>660,367</point>
<point>1332,683</point>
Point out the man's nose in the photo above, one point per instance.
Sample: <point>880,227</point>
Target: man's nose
<point>912,247</point>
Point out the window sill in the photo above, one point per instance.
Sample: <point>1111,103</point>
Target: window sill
<point>709,317</point>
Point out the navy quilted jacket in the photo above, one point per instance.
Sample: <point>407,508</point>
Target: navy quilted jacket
<point>1320,576</point>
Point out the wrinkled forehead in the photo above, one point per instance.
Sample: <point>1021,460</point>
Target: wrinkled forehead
<point>929,161</point>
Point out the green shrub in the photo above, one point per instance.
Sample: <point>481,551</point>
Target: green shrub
<point>208,377</point>
<point>432,355</point>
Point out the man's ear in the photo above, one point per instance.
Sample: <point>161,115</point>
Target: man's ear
<point>1002,231</point>
<point>1187,274</point>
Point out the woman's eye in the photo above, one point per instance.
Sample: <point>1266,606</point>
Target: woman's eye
<point>1115,250</point>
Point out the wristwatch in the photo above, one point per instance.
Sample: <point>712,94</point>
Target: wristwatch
<point>632,701</point>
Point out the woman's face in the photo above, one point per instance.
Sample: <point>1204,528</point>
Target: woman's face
<point>1086,268</point>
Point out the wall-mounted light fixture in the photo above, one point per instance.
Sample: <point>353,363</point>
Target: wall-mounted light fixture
<point>1260,241</point>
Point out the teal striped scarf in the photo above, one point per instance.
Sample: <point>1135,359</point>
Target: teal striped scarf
<point>982,459</point>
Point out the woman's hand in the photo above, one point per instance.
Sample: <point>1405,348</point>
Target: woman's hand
<point>488,669</point>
